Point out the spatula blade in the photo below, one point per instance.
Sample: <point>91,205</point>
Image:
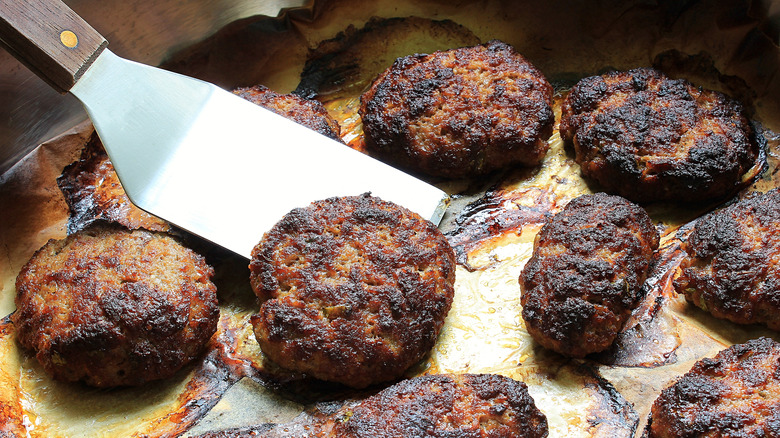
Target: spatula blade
<point>219,166</point>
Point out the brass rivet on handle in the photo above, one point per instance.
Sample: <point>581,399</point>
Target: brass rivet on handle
<point>69,39</point>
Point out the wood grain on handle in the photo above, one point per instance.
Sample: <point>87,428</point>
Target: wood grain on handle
<point>51,39</point>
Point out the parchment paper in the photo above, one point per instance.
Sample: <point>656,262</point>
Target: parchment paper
<point>731,46</point>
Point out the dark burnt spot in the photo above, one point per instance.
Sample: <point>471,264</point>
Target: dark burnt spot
<point>142,308</point>
<point>297,220</point>
<point>92,191</point>
<point>698,389</point>
<point>95,335</point>
<point>376,216</point>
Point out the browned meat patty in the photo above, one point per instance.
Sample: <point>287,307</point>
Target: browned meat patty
<point>586,273</point>
<point>650,138</point>
<point>467,405</point>
<point>355,289</point>
<point>735,394</point>
<point>460,112</point>
<point>732,262</point>
<point>92,191</point>
<point>306,112</point>
<point>112,307</point>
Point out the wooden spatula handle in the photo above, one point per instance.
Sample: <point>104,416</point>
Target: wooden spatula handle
<point>51,39</point>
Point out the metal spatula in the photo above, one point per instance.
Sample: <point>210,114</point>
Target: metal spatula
<point>190,152</point>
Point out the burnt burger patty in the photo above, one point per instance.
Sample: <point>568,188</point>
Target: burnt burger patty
<point>355,289</point>
<point>586,272</point>
<point>734,394</point>
<point>307,112</point>
<point>467,405</point>
<point>111,307</point>
<point>459,112</point>
<point>647,137</point>
<point>434,406</point>
<point>732,262</point>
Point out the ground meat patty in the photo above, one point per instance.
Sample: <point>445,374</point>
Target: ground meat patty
<point>647,137</point>
<point>355,289</point>
<point>467,405</point>
<point>585,275</point>
<point>734,394</point>
<point>306,112</point>
<point>460,112</point>
<point>111,307</point>
<point>732,262</point>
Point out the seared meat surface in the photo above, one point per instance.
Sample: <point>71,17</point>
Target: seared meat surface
<point>112,307</point>
<point>732,263</point>
<point>93,192</point>
<point>734,394</point>
<point>460,112</point>
<point>444,405</point>
<point>586,273</point>
<point>354,290</point>
<point>466,405</point>
<point>307,112</point>
<point>649,138</point>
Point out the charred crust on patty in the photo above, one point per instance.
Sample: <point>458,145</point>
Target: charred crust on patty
<point>736,394</point>
<point>460,112</point>
<point>648,137</point>
<point>586,273</point>
<point>354,290</point>
<point>446,405</point>
<point>307,112</point>
<point>93,193</point>
<point>473,405</point>
<point>114,307</point>
<point>731,266</point>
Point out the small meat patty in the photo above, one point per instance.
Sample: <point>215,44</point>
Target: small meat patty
<point>307,112</point>
<point>355,289</point>
<point>586,273</point>
<point>650,138</point>
<point>467,405</point>
<point>732,263</point>
<point>112,307</point>
<point>734,394</point>
<point>460,112</point>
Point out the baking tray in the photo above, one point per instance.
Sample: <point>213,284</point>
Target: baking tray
<point>331,50</point>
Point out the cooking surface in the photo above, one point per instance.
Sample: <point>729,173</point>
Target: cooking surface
<point>492,222</point>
